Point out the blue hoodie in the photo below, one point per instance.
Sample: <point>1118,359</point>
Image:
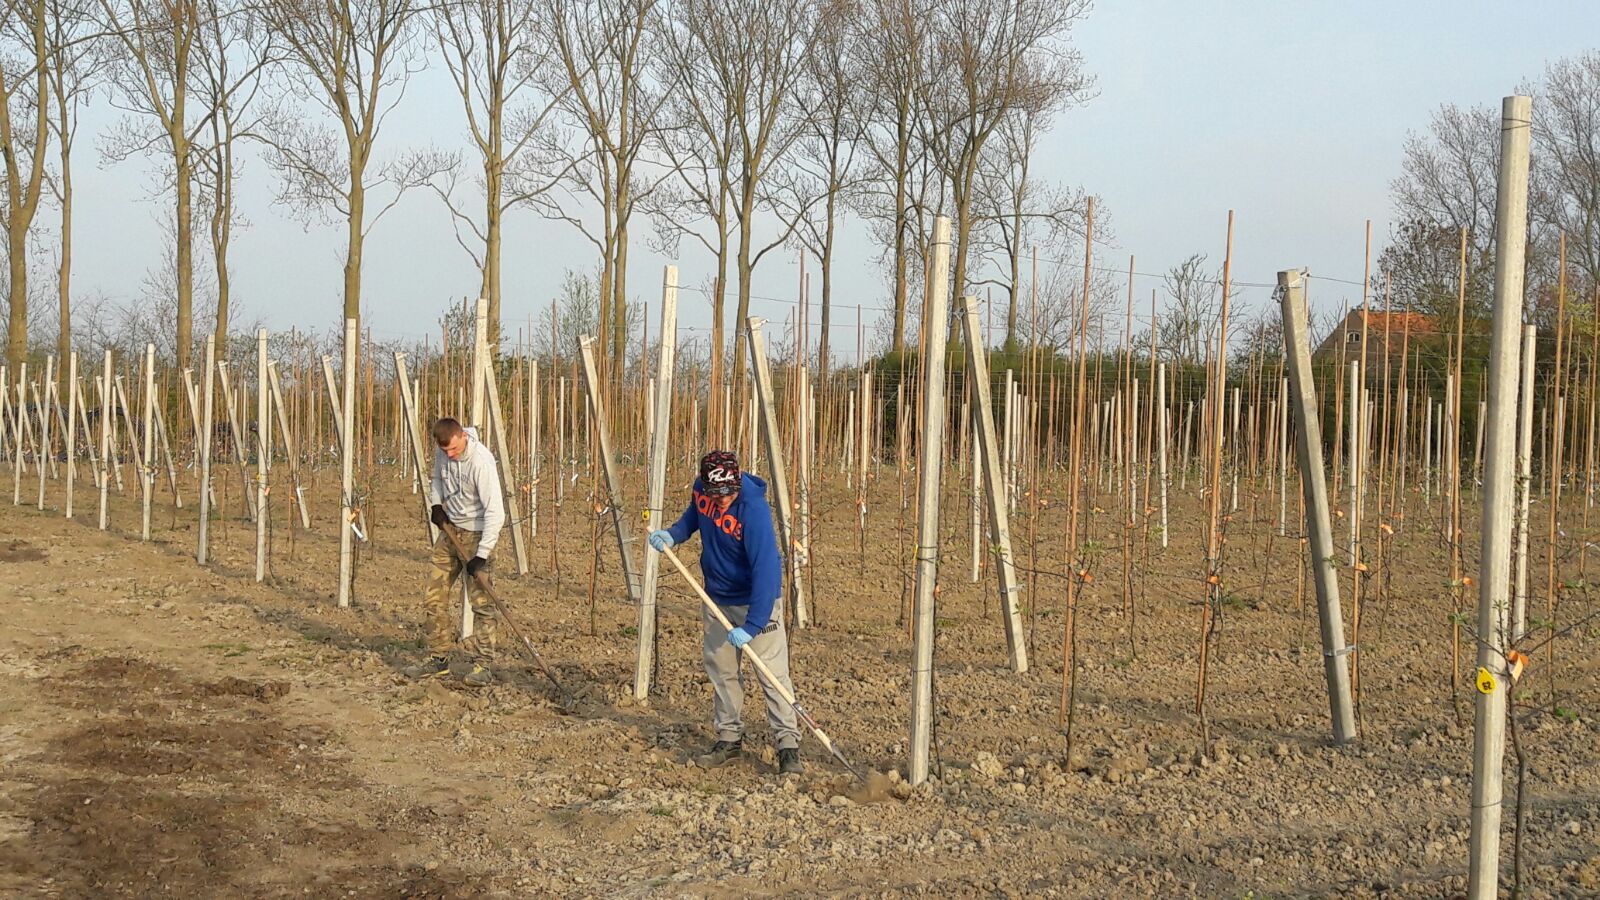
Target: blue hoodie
<point>740,558</point>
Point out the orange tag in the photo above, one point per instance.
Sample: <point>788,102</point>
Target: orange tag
<point>1213,579</point>
<point>1517,660</point>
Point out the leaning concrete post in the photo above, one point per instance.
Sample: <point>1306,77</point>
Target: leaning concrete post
<point>414,444</point>
<point>288,443</point>
<point>994,490</point>
<point>936,321</point>
<point>655,514</point>
<point>44,423</point>
<point>1499,481</point>
<point>1313,481</point>
<point>206,410</point>
<point>619,519</point>
<point>793,552</point>
<point>508,480</point>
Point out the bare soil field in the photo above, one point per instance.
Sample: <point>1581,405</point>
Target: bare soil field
<point>173,730</point>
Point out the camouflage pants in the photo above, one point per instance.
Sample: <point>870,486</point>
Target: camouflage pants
<point>443,604</point>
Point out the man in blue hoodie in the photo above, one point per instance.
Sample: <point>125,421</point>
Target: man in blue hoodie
<point>743,572</point>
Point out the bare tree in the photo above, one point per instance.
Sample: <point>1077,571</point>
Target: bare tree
<point>353,59</point>
<point>1566,132</point>
<point>598,69</point>
<point>1016,211</point>
<point>888,40</point>
<point>152,76</point>
<point>988,60</point>
<point>699,152</point>
<point>830,139</point>
<point>495,57</point>
<point>75,54</point>
<point>1447,174</point>
<point>1060,304</point>
<point>24,141</point>
<point>231,56</point>
<point>1189,323</point>
<point>742,62</point>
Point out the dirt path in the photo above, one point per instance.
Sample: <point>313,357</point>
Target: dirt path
<point>169,730</point>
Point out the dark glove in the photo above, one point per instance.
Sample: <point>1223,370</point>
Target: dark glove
<point>438,517</point>
<point>476,565</point>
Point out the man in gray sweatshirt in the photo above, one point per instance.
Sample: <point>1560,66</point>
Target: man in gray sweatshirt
<point>466,491</point>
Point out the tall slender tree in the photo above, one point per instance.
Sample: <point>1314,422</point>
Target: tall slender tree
<point>353,60</point>
<point>24,143</point>
<point>151,72</point>
<point>598,56</point>
<point>989,60</point>
<point>74,54</point>
<point>743,62</point>
<point>495,56</point>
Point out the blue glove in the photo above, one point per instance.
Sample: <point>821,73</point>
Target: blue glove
<point>661,539</point>
<point>739,637</point>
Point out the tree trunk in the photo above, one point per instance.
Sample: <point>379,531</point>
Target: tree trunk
<point>17,257</point>
<point>491,245</point>
<point>221,236</point>
<point>64,272</point>
<point>747,207</point>
<point>827,291</point>
<point>619,305</point>
<point>185,250</point>
<point>352,259</point>
<point>1016,277</point>
<point>900,262</point>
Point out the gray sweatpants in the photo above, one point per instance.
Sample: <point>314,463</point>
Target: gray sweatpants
<point>727,677</point>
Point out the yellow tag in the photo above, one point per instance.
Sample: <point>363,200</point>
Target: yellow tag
<point>644,514</point>
<point>1485,681</point>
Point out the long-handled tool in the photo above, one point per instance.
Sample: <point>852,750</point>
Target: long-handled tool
<point>449,531</point>
<point>761,669</point>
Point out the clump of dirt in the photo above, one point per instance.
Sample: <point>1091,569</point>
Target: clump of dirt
<point>266,691</point>
<point>21,551</point>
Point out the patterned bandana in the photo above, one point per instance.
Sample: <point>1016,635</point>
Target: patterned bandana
<point>719,473</point>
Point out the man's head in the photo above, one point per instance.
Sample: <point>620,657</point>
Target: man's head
<point>450,437</point>
<point>719,476</point>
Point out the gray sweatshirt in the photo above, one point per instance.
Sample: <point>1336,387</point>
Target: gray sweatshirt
<point>469,490</point>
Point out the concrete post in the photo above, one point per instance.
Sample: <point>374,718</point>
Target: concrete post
<point>597,411</point>
<point>347,456</point>
<point>644,662</point>
<point>778,475</point>
<point>1494,557</point>
<point>207,408</point>
<point>936,325</point>
<point>1313,481</point>
<point>994,489</point>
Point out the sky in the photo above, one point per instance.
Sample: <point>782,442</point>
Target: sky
<point>1290,114</point>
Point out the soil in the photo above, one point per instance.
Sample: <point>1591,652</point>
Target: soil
<point>176,730</point>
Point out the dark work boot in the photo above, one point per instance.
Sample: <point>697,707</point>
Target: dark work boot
<point>789,761</point>
<point>720,753</point>
<point>478,676</point>
<point>428,668</point>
